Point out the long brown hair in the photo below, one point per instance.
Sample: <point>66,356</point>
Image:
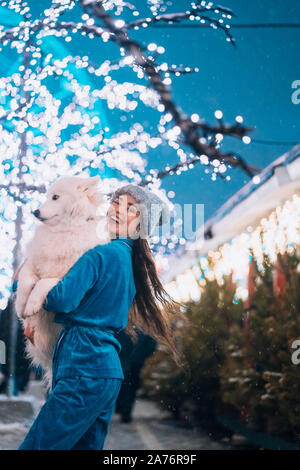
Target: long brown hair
<point>153,310</point>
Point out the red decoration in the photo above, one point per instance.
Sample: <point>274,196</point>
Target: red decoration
<point>29,333</point>
<point>279,279</point>
<point>251,283</point>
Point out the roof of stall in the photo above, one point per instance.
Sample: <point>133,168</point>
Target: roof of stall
<point>274,185</point>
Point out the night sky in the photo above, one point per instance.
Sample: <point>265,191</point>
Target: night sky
<point>253,80</point>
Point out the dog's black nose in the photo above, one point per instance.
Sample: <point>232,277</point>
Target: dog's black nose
<point>36,213</point>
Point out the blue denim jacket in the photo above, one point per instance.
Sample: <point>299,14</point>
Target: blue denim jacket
<point>92,302</point>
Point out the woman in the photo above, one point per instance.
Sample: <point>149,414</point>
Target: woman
<point>92,302</point>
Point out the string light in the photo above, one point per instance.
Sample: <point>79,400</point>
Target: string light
<point>277,233</point>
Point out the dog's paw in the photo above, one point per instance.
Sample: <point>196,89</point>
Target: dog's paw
<point>19,308</point>
<point>32,308</point>
<point>19,312</point>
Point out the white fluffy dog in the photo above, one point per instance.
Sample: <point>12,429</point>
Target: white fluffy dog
<point>70,226</point>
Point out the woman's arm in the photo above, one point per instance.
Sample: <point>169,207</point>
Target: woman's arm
<point>67,294</point>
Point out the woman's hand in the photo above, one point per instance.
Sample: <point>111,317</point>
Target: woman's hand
<point>29,333</point>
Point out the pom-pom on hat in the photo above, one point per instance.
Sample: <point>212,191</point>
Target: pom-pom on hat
<point>154,211</point>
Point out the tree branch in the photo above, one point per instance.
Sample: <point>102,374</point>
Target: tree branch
<point>187,126</point>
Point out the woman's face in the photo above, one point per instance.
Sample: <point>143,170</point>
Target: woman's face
<point>123,216</point>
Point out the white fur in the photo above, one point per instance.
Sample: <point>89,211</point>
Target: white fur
<point>70,226</point>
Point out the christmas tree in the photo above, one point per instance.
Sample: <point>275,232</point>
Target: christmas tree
<point>211,322</point>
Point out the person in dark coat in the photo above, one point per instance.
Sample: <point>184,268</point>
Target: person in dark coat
<point>133,357</point>
<point>22,363</point>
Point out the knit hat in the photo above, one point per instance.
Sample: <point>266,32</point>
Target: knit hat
<point>153,210</point>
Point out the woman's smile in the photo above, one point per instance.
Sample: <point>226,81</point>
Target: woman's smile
<point>120,215</point>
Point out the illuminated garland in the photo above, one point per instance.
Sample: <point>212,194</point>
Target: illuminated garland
<point>277,233</point>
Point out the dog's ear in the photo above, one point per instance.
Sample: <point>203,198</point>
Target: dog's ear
<point>90,188</point>
<point>89,185</point>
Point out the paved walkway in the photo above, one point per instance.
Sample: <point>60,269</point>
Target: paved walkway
<point>150,429</point>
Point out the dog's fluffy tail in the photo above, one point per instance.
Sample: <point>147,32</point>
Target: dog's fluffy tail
<point>38,359</point>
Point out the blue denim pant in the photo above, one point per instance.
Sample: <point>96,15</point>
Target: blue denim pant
<point>76,415</point>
